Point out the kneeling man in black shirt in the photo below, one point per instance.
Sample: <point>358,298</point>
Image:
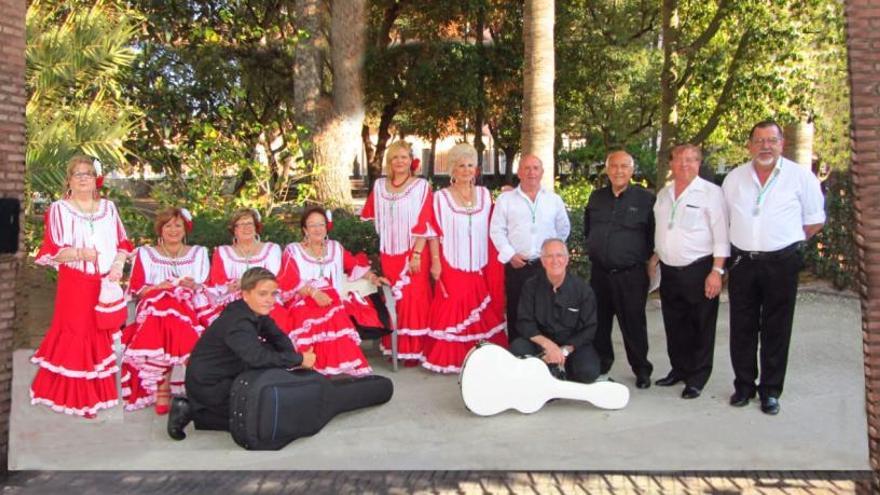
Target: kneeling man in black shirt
<point>244,337</point>
<point>557,318</point>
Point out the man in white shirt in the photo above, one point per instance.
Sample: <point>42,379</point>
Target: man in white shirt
<point>690,242</point>
<point>774,206</point>
<point>523,218</point>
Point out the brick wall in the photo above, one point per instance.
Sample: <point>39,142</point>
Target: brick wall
<point>12,143</point>
<point>863,40</point>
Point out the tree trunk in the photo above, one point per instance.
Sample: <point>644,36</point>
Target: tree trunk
<point>429,167</point>
<point>336,122</point>
<point>375,165</point>
<point>538,127</point>
<point>668,89</point>
<point>479,119</point>
<point>509,156</point>
<point>799,142</point>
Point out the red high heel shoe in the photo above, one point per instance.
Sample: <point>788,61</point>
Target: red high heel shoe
<point>163,402</point>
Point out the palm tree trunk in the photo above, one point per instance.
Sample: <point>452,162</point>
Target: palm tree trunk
<point>538,128</point>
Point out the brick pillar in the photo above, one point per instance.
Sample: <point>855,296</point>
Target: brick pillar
<point>863,41</point>
<point>12,143</point>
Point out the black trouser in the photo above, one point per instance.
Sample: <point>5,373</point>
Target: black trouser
<point>622,293</point>
<point>210,417</point>
<point>582,365</point>
<point>209,404</point>
<point>514,278</point>
<point>689,319</point>
<point>763,292</point>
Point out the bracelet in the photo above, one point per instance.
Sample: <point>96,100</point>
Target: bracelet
<point>417,254</point>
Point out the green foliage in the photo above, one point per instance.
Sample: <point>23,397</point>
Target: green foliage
<point>210,229</point>
<point>215,83</point>
<point>77,53</point>
<point>832,253</point>
<point>353,234</point>
<point>607,70</point>
<point>576,193</point>
<point>578,262</point>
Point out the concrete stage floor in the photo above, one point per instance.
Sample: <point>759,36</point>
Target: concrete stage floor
<point>821,427</point>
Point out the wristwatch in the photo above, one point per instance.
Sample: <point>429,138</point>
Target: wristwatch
<point>720,270</point>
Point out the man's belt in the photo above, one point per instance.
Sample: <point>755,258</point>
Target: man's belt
<point>613,271</point>
<point>767,255</point>
<point>699,261</point>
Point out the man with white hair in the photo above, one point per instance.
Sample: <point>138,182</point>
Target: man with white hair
<point>619,232</point>
<point>557,318</point>
<point>775,205</point>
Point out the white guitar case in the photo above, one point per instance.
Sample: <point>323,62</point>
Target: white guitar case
<point>493,380</point>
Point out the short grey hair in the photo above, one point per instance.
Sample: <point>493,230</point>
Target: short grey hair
<point>460,152</point>
<point>632,161</point>
<point>551,240</point>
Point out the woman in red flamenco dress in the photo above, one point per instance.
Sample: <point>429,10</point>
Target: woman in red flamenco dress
<point>462,312</point>
<point>311,281</point>
<point>168,280</point>
<point>229,263</point>
<point>85,240</point>
<point>400,207</point>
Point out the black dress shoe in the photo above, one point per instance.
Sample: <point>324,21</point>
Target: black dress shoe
<point>668,381</point>
<point>770,405</point>
<point>740,399</point>
<point>643,382</point>
<point>179,416</point>
<point>690,392</point>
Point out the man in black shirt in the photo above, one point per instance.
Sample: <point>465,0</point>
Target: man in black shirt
<point>243,337</point>
<point>556,318</point>
<point>619,231</point>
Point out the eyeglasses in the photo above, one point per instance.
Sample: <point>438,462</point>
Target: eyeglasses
<point>762,141</point>
<point>83,175</point>
<point>245,224</point>
<point>315,225</point>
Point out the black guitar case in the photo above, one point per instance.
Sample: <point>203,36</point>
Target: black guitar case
<point>270,408</point>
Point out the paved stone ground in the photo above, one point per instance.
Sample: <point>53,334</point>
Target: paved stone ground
<point>435,482</point>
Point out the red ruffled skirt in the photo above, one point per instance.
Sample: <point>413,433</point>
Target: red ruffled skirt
<point>362,311</point>
<point>330,333</point>
<point>412,294</point>
<point>460,318</point>
<point>76,360</point>
<point>164,334</point>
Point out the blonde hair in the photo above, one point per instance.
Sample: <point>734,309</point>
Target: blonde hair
<point>389,152</point>
<point>681,148</point>
<point>71,167</point>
